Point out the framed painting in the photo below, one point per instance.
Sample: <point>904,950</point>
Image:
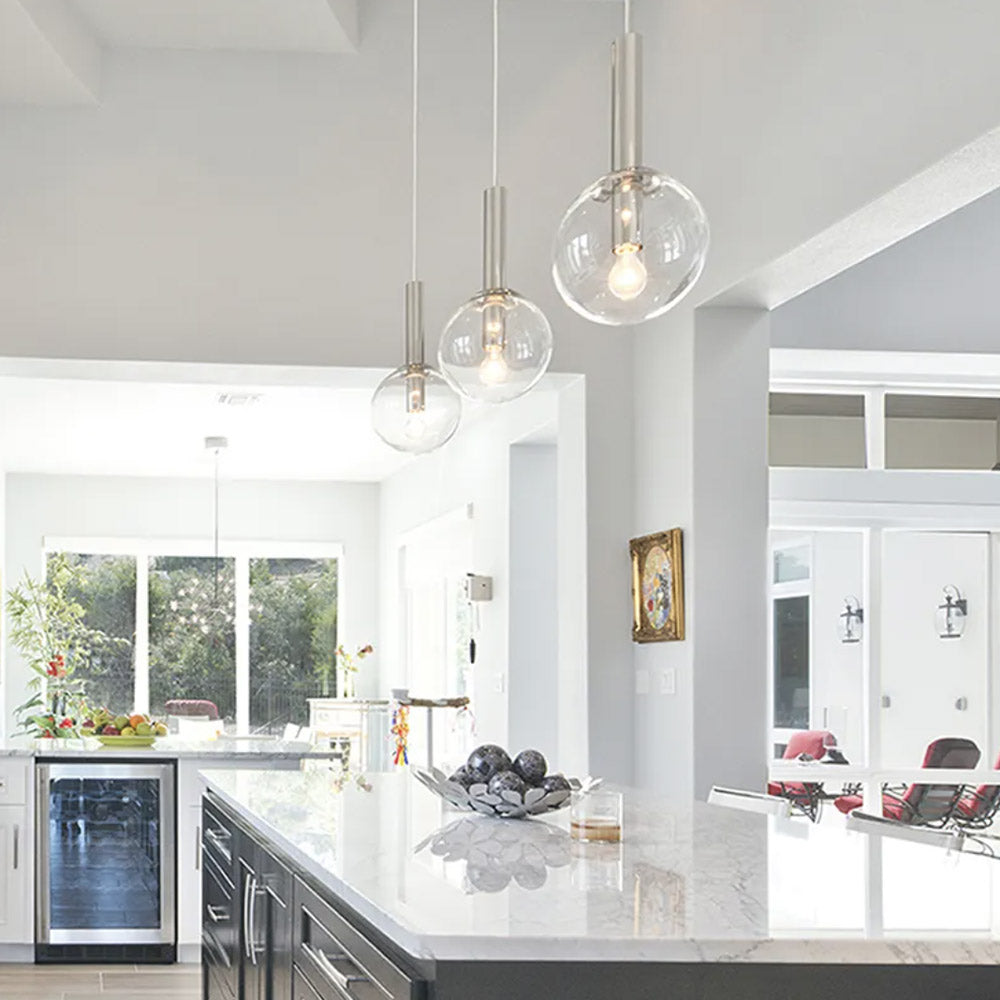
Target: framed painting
<point>657,587</point>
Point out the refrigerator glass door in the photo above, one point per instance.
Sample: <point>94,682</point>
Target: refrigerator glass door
<point>106,853</point>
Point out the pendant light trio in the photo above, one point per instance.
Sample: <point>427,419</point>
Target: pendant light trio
<point>630,247</point>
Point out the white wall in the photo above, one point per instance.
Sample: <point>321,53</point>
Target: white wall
<point>476,470</point>
<point>533,628</point>
<point>110,507</point>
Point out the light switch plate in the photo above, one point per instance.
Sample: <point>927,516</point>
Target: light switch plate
<point>668,681</point>
<point>642,682</point>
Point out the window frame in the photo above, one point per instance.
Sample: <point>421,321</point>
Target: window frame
<point>240,550</point>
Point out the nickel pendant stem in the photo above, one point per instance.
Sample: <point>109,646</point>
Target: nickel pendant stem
<point>494,237</point>
<point>414,324</point>
<point>626,102</point>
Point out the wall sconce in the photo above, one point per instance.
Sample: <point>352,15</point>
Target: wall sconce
<point>950,617</point>
<point>851,624</point>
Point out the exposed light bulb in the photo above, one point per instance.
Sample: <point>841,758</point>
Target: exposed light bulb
<point>493,369</point>
<point>415,426</point>
<point>627,277</point>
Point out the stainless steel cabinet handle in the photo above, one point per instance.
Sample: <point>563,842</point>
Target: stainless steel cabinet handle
<point>197,848</point>
<point>341,981</point>
<point>17,838</point>
<point>217,913</point>
<point>246,915</point>
<point>252,919</point>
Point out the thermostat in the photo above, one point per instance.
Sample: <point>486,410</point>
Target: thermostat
<point>478,588</point>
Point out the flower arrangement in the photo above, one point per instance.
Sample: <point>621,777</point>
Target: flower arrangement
<point>347,665</point>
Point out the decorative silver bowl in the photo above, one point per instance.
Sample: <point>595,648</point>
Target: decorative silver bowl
<point>508,805</point>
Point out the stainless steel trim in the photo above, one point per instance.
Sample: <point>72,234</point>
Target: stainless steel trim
<point>197,848</point>
<point>414,324</point>
<point>17,838</point>
<point>217,914</point>
<point>165,933</point>
<point>494,237</point>
<point>42,853</point>
<point>626,102</point>
<point>325,966</point>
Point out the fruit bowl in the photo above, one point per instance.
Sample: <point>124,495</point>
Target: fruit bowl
<point>126,741</point>
<point>506,805</point>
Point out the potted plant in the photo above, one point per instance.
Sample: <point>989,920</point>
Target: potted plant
<point>49,631</point>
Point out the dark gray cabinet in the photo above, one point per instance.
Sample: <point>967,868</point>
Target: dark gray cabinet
<point>268,935</point>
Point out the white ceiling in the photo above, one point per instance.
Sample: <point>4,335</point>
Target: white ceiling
<point>51,51</point>
<point>95,427</point>
<point>262,25</point>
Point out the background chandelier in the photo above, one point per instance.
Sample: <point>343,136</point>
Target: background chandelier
<point>498,344</point>
<point>414,408</point>
<point>634,242</point>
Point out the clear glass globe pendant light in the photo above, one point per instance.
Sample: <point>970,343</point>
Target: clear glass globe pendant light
<point>634,243</point>
<point>498,344</point>
<point>414,408</point>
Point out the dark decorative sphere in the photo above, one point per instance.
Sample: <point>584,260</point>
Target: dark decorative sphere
<point>555,783</point>
<point>531,765</point>
<point>463,776</point>
<point>507,781</point>
<point>487,760</point>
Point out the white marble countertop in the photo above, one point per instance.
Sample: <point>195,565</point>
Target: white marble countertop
<point>167,746</point>
<point>690,882</point>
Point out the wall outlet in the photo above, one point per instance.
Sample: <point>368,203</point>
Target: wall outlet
<point>668,681</point>
<point>642,682</point>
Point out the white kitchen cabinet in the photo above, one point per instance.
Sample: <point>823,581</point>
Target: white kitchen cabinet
<point>189,793</point>
<point>17,910</point>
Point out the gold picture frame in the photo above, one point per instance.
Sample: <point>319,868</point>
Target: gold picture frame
<point>658,587</point>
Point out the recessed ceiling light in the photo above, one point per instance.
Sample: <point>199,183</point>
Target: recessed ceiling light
<point>239,398</point>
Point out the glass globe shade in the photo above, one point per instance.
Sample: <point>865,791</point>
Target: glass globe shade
<point>619,281</point>
<point>496,346</point>
<point>415,409</point>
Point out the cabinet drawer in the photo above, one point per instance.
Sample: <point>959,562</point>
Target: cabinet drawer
<point>220,936</point>
<point>216,979</point>
<point>338,960</point>
<point>217,837</point>
<point>13,782</point>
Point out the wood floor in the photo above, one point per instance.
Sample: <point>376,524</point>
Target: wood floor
<point>100,982</point>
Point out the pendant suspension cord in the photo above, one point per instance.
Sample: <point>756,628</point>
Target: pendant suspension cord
<point>628,16</point>
<point>216,529</point>
<point>496,89</point>
<point>416,77</point>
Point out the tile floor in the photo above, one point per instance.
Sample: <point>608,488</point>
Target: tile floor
<point>100,982</point>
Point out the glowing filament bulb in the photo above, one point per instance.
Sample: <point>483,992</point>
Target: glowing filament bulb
<point>493,369</point>
<point>627,277</point>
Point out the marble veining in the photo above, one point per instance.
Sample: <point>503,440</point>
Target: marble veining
<point>171,748</point>
<point>690,882</point>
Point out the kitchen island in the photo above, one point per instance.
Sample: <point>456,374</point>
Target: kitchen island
<point>698,900</point>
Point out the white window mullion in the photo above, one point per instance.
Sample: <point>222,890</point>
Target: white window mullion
<point>142,633</point>
<point>242,625</point>
<point>875,428</point>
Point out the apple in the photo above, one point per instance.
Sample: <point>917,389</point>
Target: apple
<point>111,731</point>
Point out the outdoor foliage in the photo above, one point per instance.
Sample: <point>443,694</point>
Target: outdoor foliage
<point>293,638</point>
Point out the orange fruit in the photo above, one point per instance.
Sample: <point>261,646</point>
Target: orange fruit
<point>135,720</point>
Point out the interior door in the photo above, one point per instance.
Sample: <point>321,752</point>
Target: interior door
<point>932,687</point>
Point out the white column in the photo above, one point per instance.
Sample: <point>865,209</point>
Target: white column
<point>142,633</point>
<point>242,626</point>
<point>872,666</point>
<point>875,428</point>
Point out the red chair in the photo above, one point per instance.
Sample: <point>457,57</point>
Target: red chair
<point>925,805</point>
<point>975,810</point>
<point>805,796</point>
